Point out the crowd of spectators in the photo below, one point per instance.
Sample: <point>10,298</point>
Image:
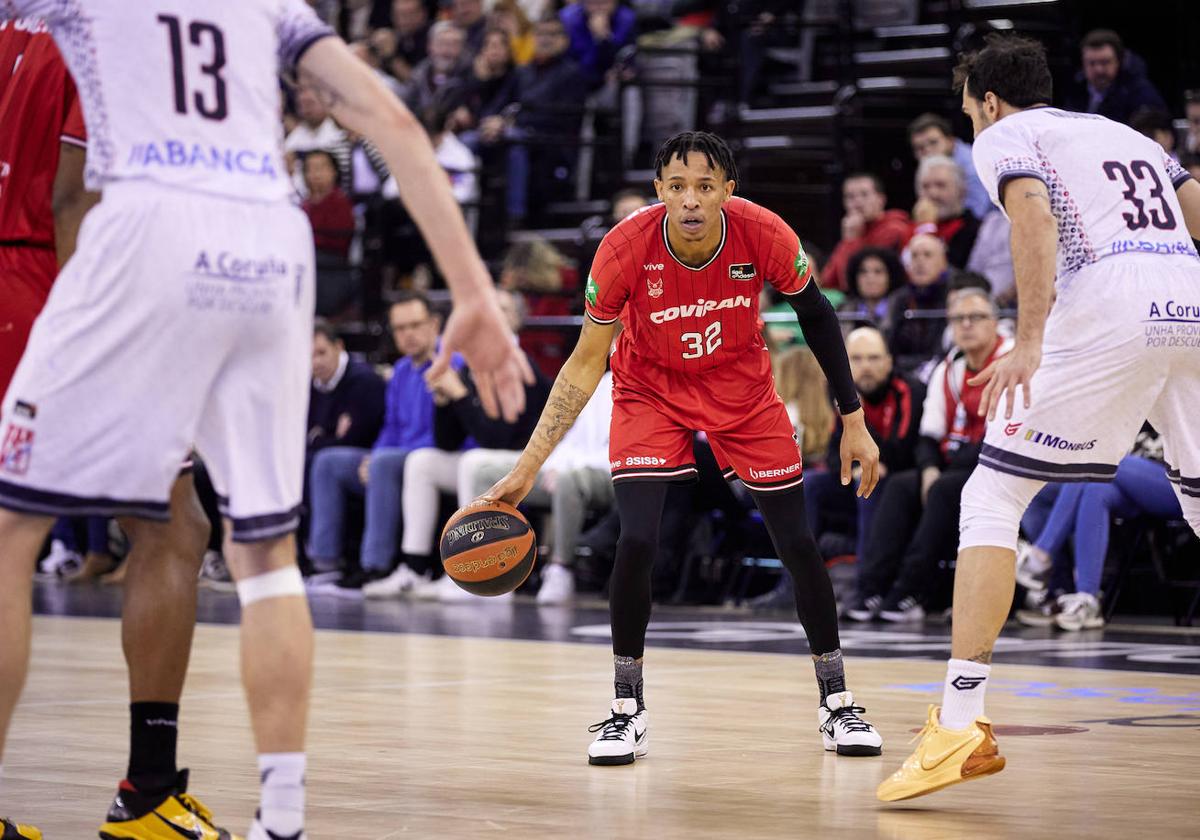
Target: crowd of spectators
<point>924,292</point>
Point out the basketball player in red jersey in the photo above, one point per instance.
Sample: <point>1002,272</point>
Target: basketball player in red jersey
<point>684,278</point>
<point>43,143</point>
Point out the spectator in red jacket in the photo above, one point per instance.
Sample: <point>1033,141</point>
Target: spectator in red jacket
<point>332,218</point>
<point>867,222</point>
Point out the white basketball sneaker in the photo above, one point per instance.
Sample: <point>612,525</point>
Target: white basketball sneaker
<point>1079,611</point>
<point>394,585</point>
<point>843,730</point>
<point>623,737</point>
<point>558,586</point>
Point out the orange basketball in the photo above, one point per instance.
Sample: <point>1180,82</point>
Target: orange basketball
<point>488,548</point>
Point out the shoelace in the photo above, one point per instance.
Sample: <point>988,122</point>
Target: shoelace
<point>614,728</point>
<point>929,726</point>
<point>849,718</point>
<point>193,804</point>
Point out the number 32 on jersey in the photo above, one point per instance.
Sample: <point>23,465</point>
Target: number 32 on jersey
<point>701,345</point>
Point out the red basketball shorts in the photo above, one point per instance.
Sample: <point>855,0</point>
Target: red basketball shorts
<point>26,275</point>
<point>657,412</point>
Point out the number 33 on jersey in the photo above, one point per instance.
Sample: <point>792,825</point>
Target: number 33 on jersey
<point>693,319</point>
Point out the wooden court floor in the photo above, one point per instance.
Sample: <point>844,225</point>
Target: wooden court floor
<point>435,737</point>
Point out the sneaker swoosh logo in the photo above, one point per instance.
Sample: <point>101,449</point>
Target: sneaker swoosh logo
<point>190,834</point>
<point>930,762</point>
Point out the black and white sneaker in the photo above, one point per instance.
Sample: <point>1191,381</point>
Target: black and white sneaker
<point>843,730</point>
<point>899,610</point>
<point>864,609</point>
<point>623,737</point>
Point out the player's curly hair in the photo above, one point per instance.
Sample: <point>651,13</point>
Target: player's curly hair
<point>714,149</point>
<point>1012,67</point>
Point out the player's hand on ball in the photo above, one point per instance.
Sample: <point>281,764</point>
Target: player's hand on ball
<point>1002,378</point>
<point>858,445</point>
<point>478,331</point>
<point>513,488</point>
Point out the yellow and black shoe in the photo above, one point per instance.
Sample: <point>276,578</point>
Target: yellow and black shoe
<point>16,831</point>
<point>170,816</point>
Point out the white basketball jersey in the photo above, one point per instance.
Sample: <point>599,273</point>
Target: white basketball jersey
<point>1111,189</point>
<point>180,92</point>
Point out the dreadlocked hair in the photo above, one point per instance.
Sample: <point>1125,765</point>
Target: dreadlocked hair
<point>714,149</point>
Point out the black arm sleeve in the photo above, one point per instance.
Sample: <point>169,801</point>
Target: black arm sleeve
<point>824,335</point>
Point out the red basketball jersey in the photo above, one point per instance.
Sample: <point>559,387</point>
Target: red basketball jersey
<point>39,108</point>
<point>686,319</point>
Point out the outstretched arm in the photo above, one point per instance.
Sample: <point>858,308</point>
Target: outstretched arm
<point>361,103</point>
<point>572,389</point>
<point>1034,250</point>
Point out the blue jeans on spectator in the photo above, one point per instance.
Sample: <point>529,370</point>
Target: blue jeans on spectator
<point>825,498</point>
<point>1085,511</point>
<point>334,478</point>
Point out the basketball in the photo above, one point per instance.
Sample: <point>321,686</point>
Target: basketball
<point>488,548</point>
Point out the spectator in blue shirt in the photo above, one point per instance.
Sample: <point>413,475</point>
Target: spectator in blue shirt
<point>341,471</point>
<point>931,135</point>
<point>598,29</point>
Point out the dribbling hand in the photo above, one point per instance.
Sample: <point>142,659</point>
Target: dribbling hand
<point>478,331</point>
<point>513,488</point>
<point>1002,378</point>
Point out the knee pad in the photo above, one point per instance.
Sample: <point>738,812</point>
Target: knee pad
<point>280,583</point>
<point>992,505</point>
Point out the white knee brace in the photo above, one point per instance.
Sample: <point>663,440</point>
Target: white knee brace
<point>280,583</point>
<point>992,506</point>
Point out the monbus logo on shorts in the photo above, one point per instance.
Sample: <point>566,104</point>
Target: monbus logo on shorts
<point>1056,442</point>
<point>700,307</point>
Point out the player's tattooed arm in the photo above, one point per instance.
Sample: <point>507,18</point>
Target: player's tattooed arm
<point>564,405</point>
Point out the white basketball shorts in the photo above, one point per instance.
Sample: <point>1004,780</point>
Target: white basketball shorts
<point>182,319</point>
<point>1122,346</point>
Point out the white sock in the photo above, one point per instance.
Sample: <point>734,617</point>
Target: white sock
<point>962,700</point>
<point>282,796</point>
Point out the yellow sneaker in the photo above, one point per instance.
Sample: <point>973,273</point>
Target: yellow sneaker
<point>944,757</point>
<point>16,831</point>
<point>135,816</point>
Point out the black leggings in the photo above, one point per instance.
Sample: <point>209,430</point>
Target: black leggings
<point>640,506</point>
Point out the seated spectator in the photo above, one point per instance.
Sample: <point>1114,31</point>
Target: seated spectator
<point>914,339</point>
<point>455,158</point>
<point>440,80</point>
<point>71,561</point>
<point>1112,83</point>
<point>316,129</point>
<point>941,191</point>
<point>410,29</point>
<point>1191,110</point>
<point>805,394</point>
<point>1156,125</point>
<point>915,526</point>
<point>991,257</point>
<point>575,480</point>
<point>867,223</point>
<point>544,279</point>
<point>509,17</point>
<point>332,218</point>
<point>1083,512</point>
<point>930,136</point>
<point>598,29</point>
<point>873,274</point>
<point>346,402</point>
<point>468,16</point>
<point>892,403</point>
<point>547,109</point>
<point>377,473</point>
<point>466,441</point>
<point>490,84</point>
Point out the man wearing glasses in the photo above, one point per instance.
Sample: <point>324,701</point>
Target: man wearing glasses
<point>915,528</point>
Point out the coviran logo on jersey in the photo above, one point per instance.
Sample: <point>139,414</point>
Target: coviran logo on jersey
<point>700,307</point>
